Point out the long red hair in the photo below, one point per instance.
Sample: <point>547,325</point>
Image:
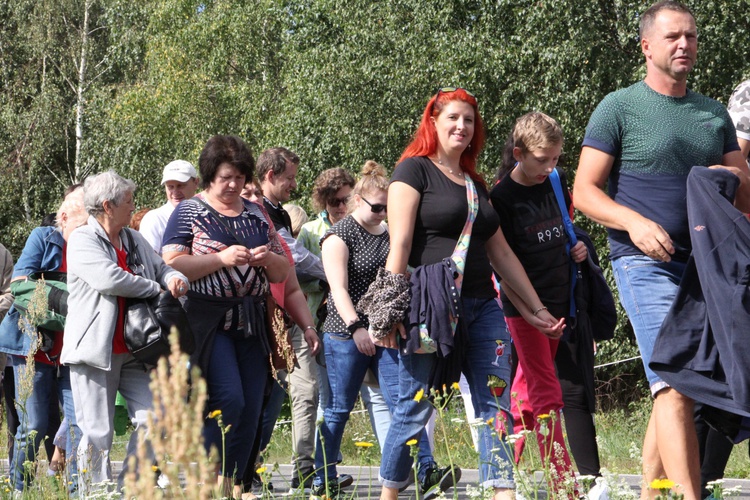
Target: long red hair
<point>425,138</point>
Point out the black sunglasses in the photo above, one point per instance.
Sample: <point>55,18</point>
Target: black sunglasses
<point>376,208</point>
<point>335,202</point>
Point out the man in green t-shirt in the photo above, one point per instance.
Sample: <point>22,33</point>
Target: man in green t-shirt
<point>643,140</point>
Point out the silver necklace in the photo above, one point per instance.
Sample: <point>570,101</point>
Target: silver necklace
<point>457,174</point>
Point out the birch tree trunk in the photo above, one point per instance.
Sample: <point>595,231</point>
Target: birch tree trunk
<point>80,89</point>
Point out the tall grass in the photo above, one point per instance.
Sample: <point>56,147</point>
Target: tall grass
<point>175,436</point>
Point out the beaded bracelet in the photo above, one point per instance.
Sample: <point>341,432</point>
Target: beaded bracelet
<point>537,311</point>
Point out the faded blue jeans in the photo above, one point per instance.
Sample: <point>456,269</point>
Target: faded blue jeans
<point>33,415</point>
<point>487,359</point>
<point>346,371</point>
<point>647,289</point>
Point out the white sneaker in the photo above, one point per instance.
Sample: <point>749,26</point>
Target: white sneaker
<point>163,481</point>
<point>600,490</point>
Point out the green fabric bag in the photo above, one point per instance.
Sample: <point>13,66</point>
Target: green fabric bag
<point>56,292</point>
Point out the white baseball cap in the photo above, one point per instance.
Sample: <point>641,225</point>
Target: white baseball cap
<point>178,170</point>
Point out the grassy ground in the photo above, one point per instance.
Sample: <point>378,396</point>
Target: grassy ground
<point>620,436</point>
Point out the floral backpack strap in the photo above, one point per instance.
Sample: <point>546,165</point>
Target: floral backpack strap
<point>462,245</point>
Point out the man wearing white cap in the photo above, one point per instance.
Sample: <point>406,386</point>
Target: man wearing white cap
<point>180,180</point>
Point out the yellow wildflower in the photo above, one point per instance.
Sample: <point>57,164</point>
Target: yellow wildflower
<point>261,470</point>
<point>543,417</point>
<point>214,414</point>
<point>455,386</point>
<point>662,484</point>
<point>363,444</point>
<point>419,395</point>
<point>154,468</point>
<point>411,442</point>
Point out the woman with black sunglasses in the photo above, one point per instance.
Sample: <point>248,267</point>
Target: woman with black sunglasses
<point>443,227</point>
<point>352,251</point>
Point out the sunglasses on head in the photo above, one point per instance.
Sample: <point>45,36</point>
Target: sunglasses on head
<point>448,90</point>
<point>376,208</point>
<point>335,202</point>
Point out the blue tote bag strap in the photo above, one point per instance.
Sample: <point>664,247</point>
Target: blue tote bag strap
<point>572,240</point>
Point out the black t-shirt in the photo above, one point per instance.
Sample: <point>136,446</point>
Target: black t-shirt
<point>278,215</point>
<point>441,216</point>
<point>367,253</point>
<point>531,222</point>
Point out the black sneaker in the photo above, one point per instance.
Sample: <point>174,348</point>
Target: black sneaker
<point>320,493</point>
<point>302,481</point>
<point>345,480</point>
<point>258,486</point>
<point>438,480</point>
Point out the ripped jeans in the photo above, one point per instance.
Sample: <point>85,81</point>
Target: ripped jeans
<point>487,364</point>
<point>487,360</point>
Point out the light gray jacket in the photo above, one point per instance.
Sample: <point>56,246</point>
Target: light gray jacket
<point>94,283</point>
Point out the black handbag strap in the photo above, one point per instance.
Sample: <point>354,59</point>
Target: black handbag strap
<point>131,256</point>
<point>131,259</point>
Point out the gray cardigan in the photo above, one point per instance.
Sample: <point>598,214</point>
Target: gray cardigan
<point>94,283</point>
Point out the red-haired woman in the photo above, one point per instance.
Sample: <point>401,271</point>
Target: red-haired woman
<point>434,192</point>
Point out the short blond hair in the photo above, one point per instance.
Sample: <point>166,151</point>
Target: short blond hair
<point>535,131</point>
<point>298,216</point>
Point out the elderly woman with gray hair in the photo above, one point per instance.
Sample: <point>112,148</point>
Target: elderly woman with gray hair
<point>99,280</point>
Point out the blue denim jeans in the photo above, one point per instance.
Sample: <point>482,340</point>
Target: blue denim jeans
<point>647,289</point>
<point>272,410</point>
<point>324,388</point>
<point>346,371</point>
<point>487,359</point>
<point>33,416</point>
<point>236,379</point>
<point>388,377</point>
<point>379,411</point>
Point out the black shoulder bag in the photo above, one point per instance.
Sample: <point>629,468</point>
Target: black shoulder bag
<point>149,321</point>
